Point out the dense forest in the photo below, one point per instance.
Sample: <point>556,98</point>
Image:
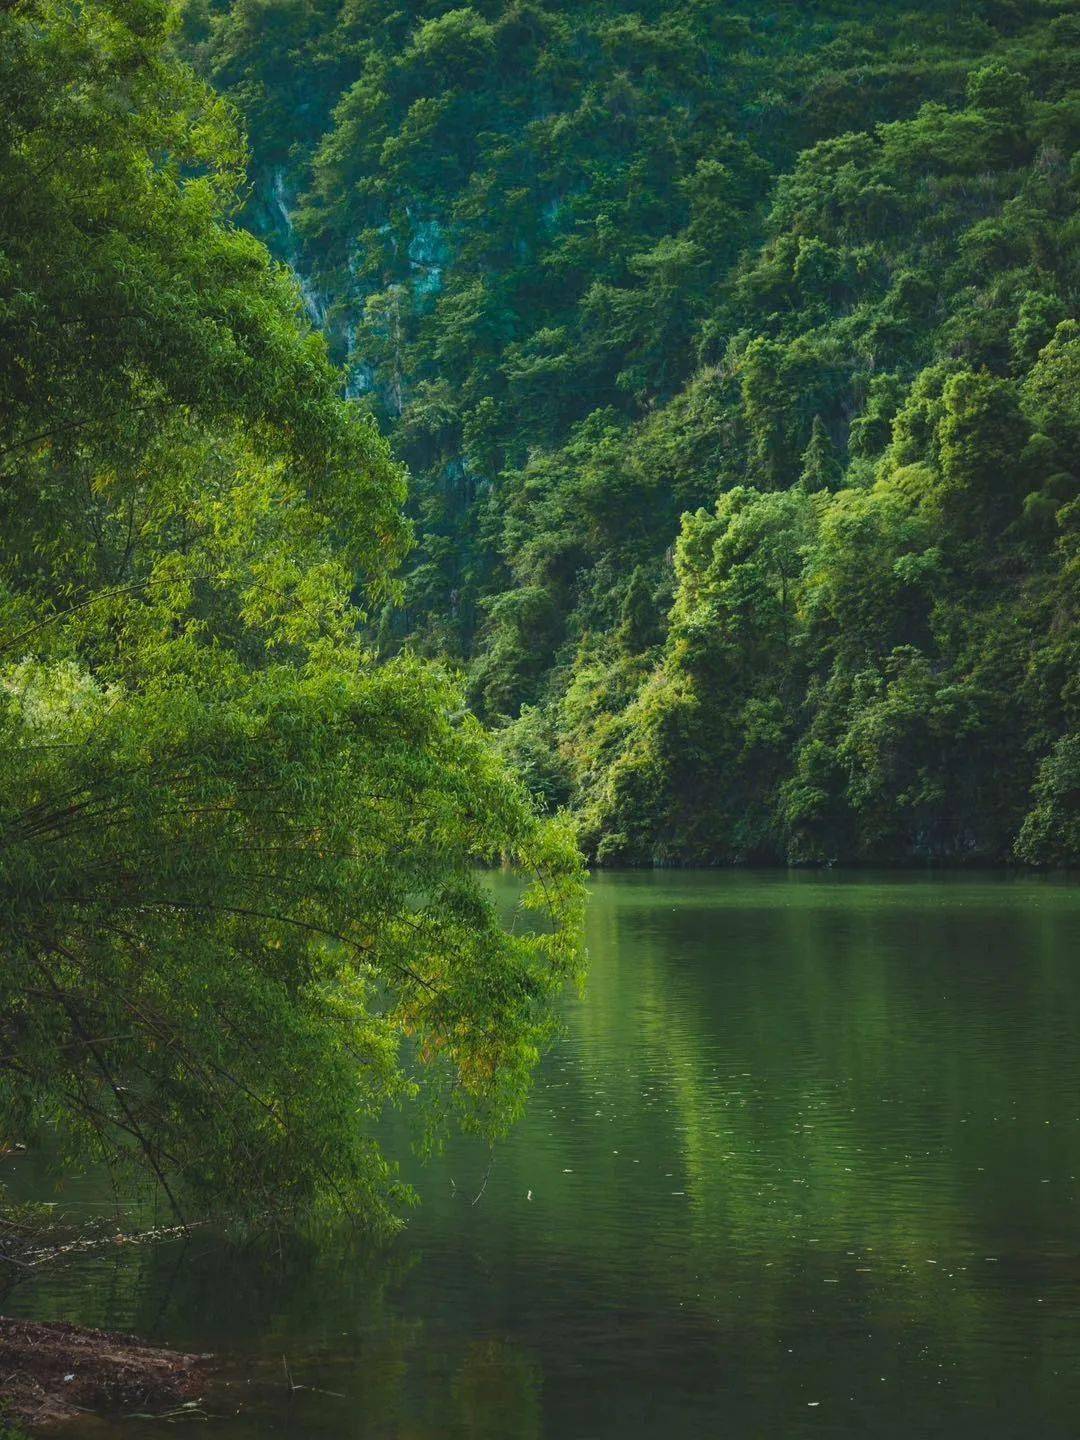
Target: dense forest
<point>733,355</point>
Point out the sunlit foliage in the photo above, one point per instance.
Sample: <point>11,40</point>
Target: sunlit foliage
<point>239,862</point>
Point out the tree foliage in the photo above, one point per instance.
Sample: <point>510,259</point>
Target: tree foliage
<point>239,860</point>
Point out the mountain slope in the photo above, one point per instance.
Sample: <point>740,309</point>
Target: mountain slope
<point>811,271</point>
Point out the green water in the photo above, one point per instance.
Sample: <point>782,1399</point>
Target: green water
<point>805,1164</point>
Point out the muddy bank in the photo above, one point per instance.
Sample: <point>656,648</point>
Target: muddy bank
<point>50,1373</point>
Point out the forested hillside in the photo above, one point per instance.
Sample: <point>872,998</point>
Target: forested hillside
<point>734,356</point>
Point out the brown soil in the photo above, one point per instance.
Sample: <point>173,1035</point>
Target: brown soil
<point>51,1373</point>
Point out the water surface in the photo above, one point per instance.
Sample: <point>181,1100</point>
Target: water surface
<point>804,1164</point>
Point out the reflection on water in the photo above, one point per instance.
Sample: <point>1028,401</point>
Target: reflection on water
<point>805,1164</point>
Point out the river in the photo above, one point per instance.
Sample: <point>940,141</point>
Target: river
<point>804,1164</point>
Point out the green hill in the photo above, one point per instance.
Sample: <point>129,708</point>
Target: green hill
<point>735,361</point>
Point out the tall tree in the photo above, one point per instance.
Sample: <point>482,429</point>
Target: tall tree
<point>238,861</point>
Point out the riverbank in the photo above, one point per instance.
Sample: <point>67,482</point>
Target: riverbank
<point>52,1373</point>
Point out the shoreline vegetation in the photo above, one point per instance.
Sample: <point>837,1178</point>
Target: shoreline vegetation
<point>243,913</point>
